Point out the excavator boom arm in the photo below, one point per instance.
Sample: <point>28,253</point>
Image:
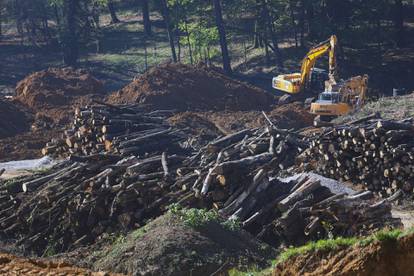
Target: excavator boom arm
<point>310,59</point>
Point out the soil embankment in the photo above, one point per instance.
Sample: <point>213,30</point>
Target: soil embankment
<point>387,258</point>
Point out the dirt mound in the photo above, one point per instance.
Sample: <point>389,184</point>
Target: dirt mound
<point>12,265</point>
<point>386,258</point>
<point>167,246</point>
<point>50,92</point>
<point>12,120</point>
<point>56,87</point>
<point>293,115</point>
<point>185,88</point>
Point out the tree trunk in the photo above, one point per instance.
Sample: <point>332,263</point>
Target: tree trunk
<point>222,34</point>
<point>302,23</point>
<point>70,39</point>
<point>1,30</point>
<point>166,16</point>
<point>399,22</point>
<point>111,8</point>
<point>146,17</point>
<point>292,18</point>
<point>272,33</point>
<point>257,39</point>
<point>309,17</point>
<point>56,12</point>
<point>190,51</point>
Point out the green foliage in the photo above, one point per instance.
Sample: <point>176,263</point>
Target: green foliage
<point>232,224</point>
<point>196,218</point>
<point>201,38</point>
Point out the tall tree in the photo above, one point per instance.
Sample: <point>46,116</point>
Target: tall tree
<point>1,19</point>
<point>146,17</point>
<point>399,22</point>
<point>166,15</point>
<point>70,45</point>
<point>222,36</point>
<point>111,8</point>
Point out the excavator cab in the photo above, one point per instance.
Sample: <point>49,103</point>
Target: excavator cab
<point>330,104</point>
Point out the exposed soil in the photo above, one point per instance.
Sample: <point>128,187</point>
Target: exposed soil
<point>44,102</point>
<point>169,247</point>
<point>27,145</point>
<point>12,265</point>
<point>12,120</point>
<point>55,92</point>
<point>192,88</point>
<point>381,258</point>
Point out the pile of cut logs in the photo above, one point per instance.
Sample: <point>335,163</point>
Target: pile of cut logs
<point>371,151</point>
<point>122,129</point>
<point>237,175</point>
<point>78,200</point>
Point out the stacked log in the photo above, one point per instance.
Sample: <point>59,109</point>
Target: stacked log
<point>121,129</point>
<point>77,201</point>
<point>377,153</point>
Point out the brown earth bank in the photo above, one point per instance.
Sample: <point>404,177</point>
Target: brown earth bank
<point>192,88</point>
<point>168,246</point>
<point>387,258</point>
<point>13,265</point>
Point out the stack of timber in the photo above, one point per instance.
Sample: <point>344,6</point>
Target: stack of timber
<point>82,198</point>
<point>77,200</point>
<point>237,176</point>
<point>122,129</point>
<point>371,151</point>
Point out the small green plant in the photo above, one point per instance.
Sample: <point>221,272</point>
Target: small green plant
<point>199,217</point>
<point>232,224</point>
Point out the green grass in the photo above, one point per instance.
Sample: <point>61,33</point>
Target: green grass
<point>383,236</point>
<point>388,235</point>
<point>321,245</point>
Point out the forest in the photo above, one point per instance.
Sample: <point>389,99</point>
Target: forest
<point>233,34</point>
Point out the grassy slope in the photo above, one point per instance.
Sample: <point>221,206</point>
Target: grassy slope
<point>389,107</point>
<point>327,245</point>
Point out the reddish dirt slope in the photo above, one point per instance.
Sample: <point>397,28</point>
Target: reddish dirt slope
<point>385,259</point>
<point>12,265</point>
<point>191,88</point>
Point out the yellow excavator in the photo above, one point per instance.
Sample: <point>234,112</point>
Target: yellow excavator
<point>340,98</point>
<point>309,78</point>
